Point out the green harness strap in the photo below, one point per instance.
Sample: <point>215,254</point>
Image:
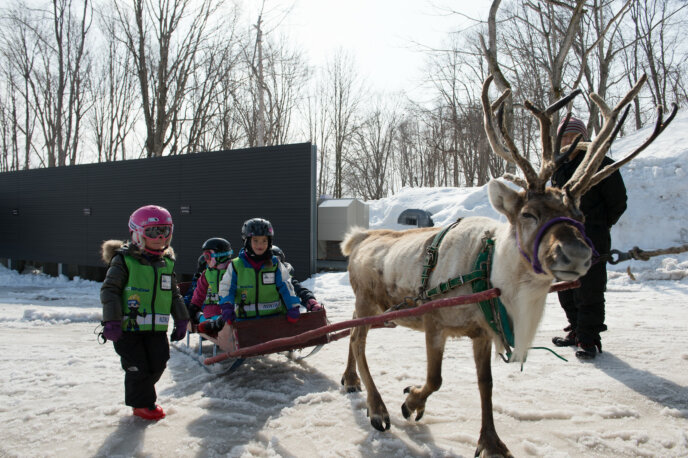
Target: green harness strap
<point>493,309</point>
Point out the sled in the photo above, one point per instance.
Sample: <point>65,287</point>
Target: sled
<point>244,335</point>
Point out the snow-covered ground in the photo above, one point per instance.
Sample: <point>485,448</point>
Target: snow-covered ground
<point>61,393</point>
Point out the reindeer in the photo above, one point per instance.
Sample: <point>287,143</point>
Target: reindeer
<point>541,241</point>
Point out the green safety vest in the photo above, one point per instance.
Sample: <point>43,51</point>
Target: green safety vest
<point>256,291</point>
<point>147,296</point>
<point>213,277</point>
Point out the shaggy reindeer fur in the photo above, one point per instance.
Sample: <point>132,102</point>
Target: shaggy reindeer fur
<point>385,267</point>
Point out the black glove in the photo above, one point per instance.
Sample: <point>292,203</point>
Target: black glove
<point>194,313</point>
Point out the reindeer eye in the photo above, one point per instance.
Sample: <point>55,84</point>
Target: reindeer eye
<point>527,215</point>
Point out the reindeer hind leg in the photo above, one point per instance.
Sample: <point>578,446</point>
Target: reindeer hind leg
<point>377,411</point>
<point>350,379</point>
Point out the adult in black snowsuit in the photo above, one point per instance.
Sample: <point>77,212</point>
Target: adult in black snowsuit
<point>602,207</point>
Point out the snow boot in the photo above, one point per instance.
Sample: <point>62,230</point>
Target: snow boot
<point>156,413</point>
<point>566,341</point>
<point>211,327</point>
<point>589,351</point>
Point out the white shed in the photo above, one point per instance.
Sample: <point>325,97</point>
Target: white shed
<point>335,218</point>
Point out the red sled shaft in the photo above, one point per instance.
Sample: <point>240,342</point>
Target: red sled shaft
<point>267,347</point>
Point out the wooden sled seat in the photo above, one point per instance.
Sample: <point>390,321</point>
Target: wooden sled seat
<point>247,333</point>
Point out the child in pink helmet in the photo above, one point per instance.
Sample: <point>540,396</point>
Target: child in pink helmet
<point>139,295</point>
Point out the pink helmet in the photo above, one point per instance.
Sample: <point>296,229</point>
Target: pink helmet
<point>153,217</point>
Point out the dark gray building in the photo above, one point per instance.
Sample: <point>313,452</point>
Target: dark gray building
<point>60,216</point>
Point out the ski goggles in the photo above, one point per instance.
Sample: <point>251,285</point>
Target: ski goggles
<point>220,256</point>
<point>156,232</point>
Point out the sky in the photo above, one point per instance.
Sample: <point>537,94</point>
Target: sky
<point>61,393</point>
<point>388,39</point>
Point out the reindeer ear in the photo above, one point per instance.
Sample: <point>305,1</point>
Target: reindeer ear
<point>504,199</point>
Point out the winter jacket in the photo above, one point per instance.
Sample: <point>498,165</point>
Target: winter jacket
<point>304,294</point>
<point>118,255</point>
<point>262,292</point>
<point>604,203</point>
<point>205,295</point>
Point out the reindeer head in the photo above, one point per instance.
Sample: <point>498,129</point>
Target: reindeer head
<point>547,221</point>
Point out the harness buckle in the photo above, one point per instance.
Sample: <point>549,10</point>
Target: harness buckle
<point>431,258</point>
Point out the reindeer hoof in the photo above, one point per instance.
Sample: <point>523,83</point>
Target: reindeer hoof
<point>406,412</point>
<point>351,388</point>
<point>381,423</point>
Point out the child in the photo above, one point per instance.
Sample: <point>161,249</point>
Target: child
<point>256,283</point>
<point>216,252</point>
<point>304,294</point>
<point>138,295</point>
<point>189,293</point>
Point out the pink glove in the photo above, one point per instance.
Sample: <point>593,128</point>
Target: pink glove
<point>313,305</point>
<point>293,314</point>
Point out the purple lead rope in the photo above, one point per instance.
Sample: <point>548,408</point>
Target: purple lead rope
<point>537,267</point>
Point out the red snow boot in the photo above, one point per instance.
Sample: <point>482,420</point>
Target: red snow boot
<point>150,414</point>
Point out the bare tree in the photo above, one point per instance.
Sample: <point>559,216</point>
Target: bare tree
<point>661,24</point>
<point>319,131</point>
<point>20,53</point>
<point>369,164</point>
<point>55,72</point>
<point>114,92</point>
<point>164,39</point>
<point>345,95</point>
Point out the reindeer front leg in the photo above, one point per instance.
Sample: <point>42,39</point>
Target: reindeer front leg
<point>489,443</point>
<point>434,348</point>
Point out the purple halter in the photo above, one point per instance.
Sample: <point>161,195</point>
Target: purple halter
<point>535,263</point>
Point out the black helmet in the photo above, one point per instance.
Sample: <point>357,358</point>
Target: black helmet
<point>221,248</point>
<point>277,251</point>
<point>256,226</point>
<point>201,263</point>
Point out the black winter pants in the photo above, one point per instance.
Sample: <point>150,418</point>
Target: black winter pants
<point>144,357</point>
<point>584,306</point>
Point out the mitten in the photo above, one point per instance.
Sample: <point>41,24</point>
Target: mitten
<point>112,330</point>
<point>313,305</point>
<point>228,313</point>
<point>293,314</point>
<point>212,327</point>
<point>179,331</point>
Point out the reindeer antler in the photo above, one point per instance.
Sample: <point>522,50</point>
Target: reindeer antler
<point>587,175</point>
<point>533,181</point>
<point>660,125</point>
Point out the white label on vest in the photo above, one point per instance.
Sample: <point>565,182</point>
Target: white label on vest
<point>268,306</point>
<point>166,282</point>
<point>148,319</point>
<point>268,278</point>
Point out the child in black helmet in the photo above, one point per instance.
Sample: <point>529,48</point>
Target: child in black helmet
<point>256,283</point>
<point>205,309</point>
<point>189,293</point>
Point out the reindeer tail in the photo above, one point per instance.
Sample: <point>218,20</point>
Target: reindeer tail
<point>352,238</point>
